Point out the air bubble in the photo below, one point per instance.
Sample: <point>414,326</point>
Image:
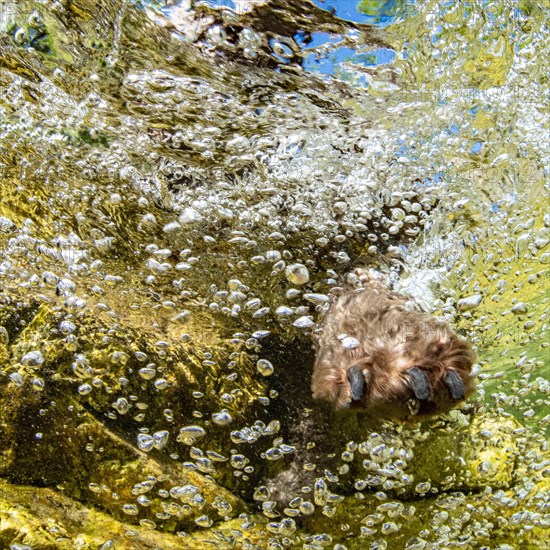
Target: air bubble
<point>67,327</point>
<point>145,442</point>
<point>130,509</point>
<point>262,312</point>
<point>38,384</point>
<point>84,389</point>
<point>161,384</point>
<point>32,359</point>
<point>423,487</point>
<point>147,373</point>
<point>20,36</point>
<point>297,274</point>
<point>307,508</point>
<point>222,418</point>
<point>284,311</point>
<point>469,303</point>
<point>265,367</point>
<point>350,343</point>
<point>160,439</point>
<point>317,299</point>
<point>520,308</point>
<point>190,434</point>
<point>305,321</point>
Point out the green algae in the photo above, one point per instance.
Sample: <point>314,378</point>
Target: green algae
<point>414,524</point>
<point>46,520</point>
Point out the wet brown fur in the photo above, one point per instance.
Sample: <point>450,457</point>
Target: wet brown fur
<point>394,336</point>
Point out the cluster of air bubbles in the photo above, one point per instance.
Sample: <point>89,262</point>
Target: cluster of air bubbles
<point>385,459</point>
<point>251,434</point>
<point>158,440</point>
<point>6,225</point>
<point>346,202</point>
<point>238,210</point>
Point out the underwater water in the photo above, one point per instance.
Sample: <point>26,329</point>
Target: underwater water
<point>182,185</point>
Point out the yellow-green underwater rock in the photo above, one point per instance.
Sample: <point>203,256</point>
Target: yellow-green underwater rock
<point>492,518</point>
<point>463,453</point>
<point>85,415</point>
<point>45,519</point>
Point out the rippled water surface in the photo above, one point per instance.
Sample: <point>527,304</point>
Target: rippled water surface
<point>182,185</point>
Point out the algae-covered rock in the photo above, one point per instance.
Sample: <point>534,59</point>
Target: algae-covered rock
<point>464,519</point>
<point>467,452</point>
<point>44,519</point>
<point>88,412</point>
<point>86,460</point>
<point>163,174</point>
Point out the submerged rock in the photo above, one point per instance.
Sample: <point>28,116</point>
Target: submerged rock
<point>467,453</point>
<point>56,434</point>
<point>454,518</point>
<point>45,519</point>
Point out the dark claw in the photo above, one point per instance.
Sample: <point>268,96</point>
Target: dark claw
<point>357,383</point>
<point>455,385</point>
<point>420,383</point>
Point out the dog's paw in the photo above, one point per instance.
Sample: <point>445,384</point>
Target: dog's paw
<point>417,391</point>
<point>434,392</point>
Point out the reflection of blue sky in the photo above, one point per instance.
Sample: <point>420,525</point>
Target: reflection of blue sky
<point>340,60</point>
<point>229,4</point>
<point>317,39</point>
<point>381,14</point>
<point>345,9</point>
<point>385,13</point>
<point>476,148</point>
<point>330,63</point>
<point>454,129</point>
